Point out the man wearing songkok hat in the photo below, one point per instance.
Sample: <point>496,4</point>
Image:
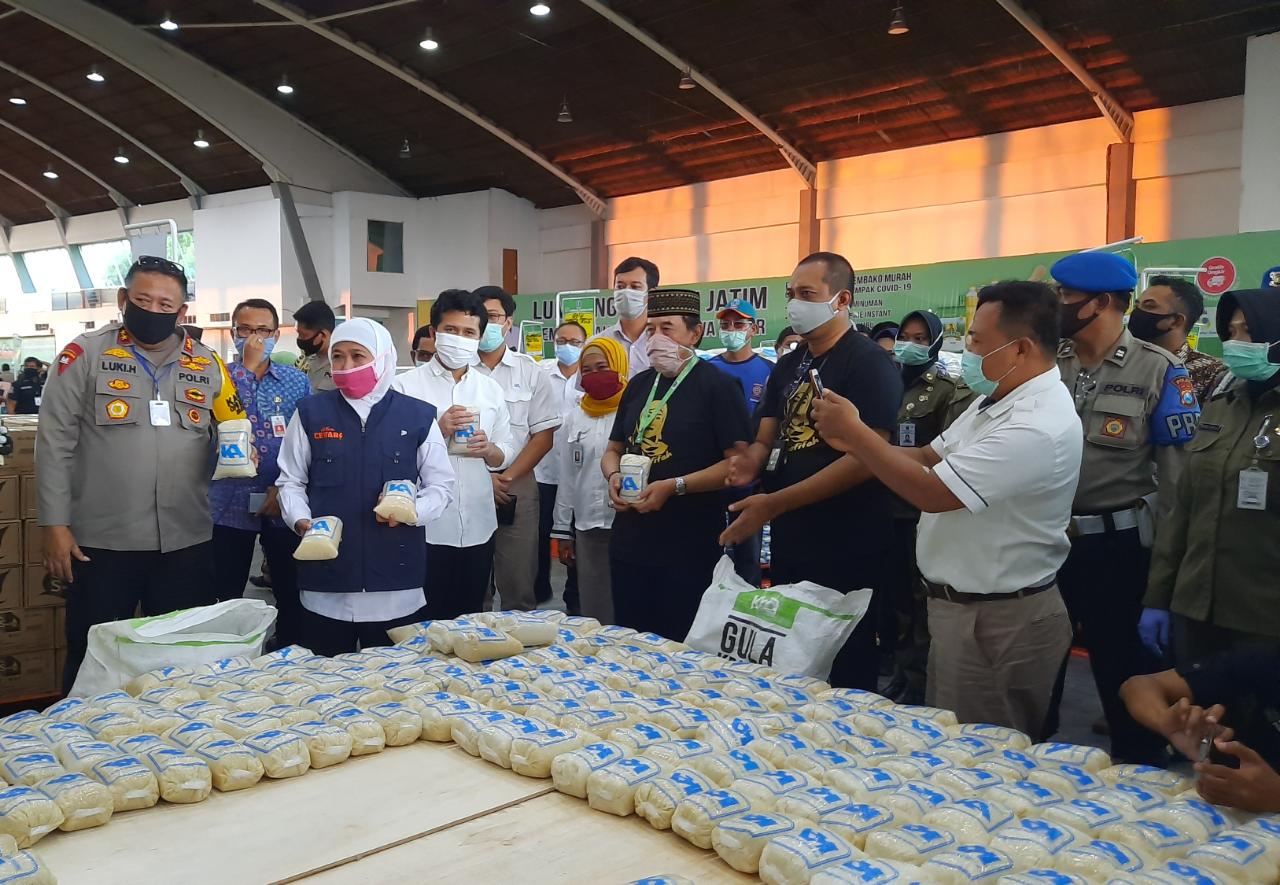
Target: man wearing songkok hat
<point>684,417</point>
<point>1137,408</point>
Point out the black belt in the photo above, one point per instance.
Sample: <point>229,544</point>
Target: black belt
<point>951,594</point>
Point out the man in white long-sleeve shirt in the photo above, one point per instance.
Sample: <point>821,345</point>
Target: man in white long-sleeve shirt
<point>476,424</point>
<point>339,449</point>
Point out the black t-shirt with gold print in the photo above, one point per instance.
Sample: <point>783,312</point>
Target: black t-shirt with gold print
<point>703,419</point>
<point>822,542</point>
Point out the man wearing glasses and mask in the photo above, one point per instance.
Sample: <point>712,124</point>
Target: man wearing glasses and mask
<point>126,429</point>
<point>1138,407</point>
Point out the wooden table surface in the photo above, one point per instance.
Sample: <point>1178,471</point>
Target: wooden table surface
<point>426,812</point>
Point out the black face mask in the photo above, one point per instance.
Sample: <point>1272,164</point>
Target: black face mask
<point>1143,325</point>
<point>1071,324</point>
<point>146,326</point>
<point>309,346</point>
<point>30,373</point>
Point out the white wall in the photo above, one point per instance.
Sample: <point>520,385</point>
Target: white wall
<point>734,228</point>
<point>1033,190</point>
<point>1260,151</point>
<point>565,243</point>
<point>239,254</point>
<point>1186,168</point>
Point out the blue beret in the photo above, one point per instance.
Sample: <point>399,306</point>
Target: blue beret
<point>1095,272</point>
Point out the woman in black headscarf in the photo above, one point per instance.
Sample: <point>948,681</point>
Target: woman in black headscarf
<point>1215,569</point>
<point>931,400</point>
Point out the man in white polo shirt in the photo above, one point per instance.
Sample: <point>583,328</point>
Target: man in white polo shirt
<point>995,490</point>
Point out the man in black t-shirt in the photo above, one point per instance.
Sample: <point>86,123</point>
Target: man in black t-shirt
<point>686,417</point>
<point>831,521</point>
<point>1243,686</point>
<point>24,395</point>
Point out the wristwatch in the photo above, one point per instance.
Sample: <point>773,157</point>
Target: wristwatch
<point>680,487</point>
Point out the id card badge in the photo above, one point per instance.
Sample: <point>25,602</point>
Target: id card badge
<point>160,414</point>
<point>907,434</point>
<point>278,425</point>
<point>1252,494</point>
<point>775,457</point>
<point>38,401</point>
<point>576,453</point>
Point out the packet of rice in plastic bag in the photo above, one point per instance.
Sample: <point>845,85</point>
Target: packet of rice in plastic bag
<point>183,778</point>
<point>132,784</point>
<point>321,540</point>
<point>398,502</point>
<point>84,802</point>
<point>235,443</point>
<point>24,868</point>
<point>27,815</point>
<point>282,753</point>
<point>327,744</point>
<point>232,765</point>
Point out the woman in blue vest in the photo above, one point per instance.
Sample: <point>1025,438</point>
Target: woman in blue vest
<point>339,449</point>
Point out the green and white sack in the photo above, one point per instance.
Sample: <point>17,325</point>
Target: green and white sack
<point>120,651</point>
<point>793,628</point>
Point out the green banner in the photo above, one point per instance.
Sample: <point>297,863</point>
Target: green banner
<point>948,288</point>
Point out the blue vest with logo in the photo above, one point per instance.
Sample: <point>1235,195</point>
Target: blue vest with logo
<point>349,465</point>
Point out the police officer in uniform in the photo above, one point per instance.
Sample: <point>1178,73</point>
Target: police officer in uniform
<point>931,400</point>
<point>1216,559</point>
<point>1137,408</point>
<point>125,458</point>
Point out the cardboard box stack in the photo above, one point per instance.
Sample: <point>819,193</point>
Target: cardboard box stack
<point>32,618</point>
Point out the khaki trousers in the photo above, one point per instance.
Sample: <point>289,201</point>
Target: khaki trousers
<point>515,552</point>
<point>997,661</point>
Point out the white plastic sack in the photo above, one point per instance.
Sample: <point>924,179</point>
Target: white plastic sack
<point>793,628</point>
<point>119,651</point>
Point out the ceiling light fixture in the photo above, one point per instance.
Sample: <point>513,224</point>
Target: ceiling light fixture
<point>200,141</point>
<point>168,24</point>
<point>686,79</point>
<point>540,9</point>
<point>898,24</point>
<point>121,157</point>
<point>564,116</point>
<point>284,87</point>
<point>18,100</point>
<point>429,41</point>
<point>94,76</point>
<point>405,152</point>
<point>49,173</point>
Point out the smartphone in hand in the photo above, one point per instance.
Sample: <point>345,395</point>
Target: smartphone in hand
<point>816,380</point>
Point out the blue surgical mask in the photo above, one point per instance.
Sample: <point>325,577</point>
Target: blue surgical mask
<point>267,346</point>
<point>910,353</point>
<point>973,376</point>
<point>734,340</point>
<point>1248,360</point>
<point>492,338</point>
<point>568,354</point>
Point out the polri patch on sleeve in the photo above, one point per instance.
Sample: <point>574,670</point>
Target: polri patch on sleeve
<point>69,355</point>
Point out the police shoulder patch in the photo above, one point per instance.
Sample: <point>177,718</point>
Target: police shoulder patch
<point>69,355</point>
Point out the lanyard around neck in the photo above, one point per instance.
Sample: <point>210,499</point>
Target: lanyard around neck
<point>650,410</point>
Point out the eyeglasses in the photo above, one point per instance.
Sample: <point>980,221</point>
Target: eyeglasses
<point>423,356</point>
<point>730,325</point>
<point>576,342</point>
<point>246,331</point>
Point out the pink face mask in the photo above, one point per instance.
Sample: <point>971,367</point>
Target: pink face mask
<point>358,382</point>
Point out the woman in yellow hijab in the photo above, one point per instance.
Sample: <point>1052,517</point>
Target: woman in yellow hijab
<point>583,516</point>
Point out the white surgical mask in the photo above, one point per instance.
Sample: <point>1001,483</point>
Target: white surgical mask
<point>455,352</point>
<point>805,316</point>
<point>631,303</point>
